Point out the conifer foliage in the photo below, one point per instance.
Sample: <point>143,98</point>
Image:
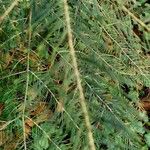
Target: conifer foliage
<point>78,84</point>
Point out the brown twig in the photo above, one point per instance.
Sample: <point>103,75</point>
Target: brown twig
<point>136,19</point>
<point>9,9</point>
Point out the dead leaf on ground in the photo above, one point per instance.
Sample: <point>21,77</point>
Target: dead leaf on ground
<point>29,122</point>
<point>27,130</point>
<point>145,105</point>
<point>3,137</point>
<point>7,59</point>
<point>41,106</point>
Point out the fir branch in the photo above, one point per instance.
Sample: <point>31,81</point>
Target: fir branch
<point>77,74</point>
